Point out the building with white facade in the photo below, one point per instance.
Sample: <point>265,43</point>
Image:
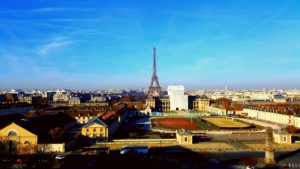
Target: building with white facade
<point>74,101</point>
<point>272,115</point>
<point>178,100</point>
<point>61,97</point>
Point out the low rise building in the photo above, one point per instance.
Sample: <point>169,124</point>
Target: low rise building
<point>270,115</point>
<point>73,101</point>
<point>84,118</point>
<point>165,104</point>
<point>95,129</point>
<point>51,148</point>
<point>201,104</point>
<point>98,99</point>
<point>17,139</point>
<point>297,121</point>
<point>98,104</point>
<point>102,128</point>
<point>217,111</point>
<point>61,97</point>
<point>279,98</point>
<point>25,135</point>
<point>184,137</point>
<point>150,102</point>
<point>282,137</point>
<point>30,99</point>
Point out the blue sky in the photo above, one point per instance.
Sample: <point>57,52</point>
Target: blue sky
<point>201,44</point>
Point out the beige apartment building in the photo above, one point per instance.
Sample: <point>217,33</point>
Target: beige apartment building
<point>96,129</point>
<point>165,103</point>
<point>201,104</point>
<point>150,102</point>
<point>272,115</point>
<point>160,104</point>
<point>73,101</point>
<point>61,97</point>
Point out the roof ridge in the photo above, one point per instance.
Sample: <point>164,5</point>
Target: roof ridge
<point>95,120</point>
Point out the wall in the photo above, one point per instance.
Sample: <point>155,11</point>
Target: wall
<point>297,122</point>
<point>52,148</point>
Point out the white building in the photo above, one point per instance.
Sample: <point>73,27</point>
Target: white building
<point>61,97</point>
<point>272,115</point>
<point>178,100</point>
<point>74,101</point>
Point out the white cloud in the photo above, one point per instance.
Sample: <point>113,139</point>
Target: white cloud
<point>56,44</point>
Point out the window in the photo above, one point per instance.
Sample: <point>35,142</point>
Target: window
<point>101,130</point>
<point>185,139</point>
<point>12,133</point>
<point>27,142</point>
<point>94,129</point>
<point>284,139</point>
<point>87,130</point>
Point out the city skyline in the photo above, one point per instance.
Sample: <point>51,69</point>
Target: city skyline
<point>100,45</point>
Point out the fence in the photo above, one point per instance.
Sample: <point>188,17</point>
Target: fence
<point>142,141</point>
<point>180,114</point>
<point>213,132</point>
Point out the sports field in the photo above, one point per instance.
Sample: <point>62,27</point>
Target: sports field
<point>225,123</point>
<point>174,123</point>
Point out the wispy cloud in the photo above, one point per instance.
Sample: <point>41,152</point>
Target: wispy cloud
<point>270,18</point>
<point>56,44</point>
<point>57,9</point>
<point>52,9</point>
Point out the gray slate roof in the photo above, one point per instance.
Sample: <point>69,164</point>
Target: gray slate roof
<point>93,121</point>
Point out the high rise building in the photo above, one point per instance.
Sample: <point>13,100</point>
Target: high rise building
<point>178,100</point>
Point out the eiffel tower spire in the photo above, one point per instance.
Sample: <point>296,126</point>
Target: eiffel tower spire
<point>154,90</point>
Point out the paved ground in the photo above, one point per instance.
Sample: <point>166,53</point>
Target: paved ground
<point>260,123</point>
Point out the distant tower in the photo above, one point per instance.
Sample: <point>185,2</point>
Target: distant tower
<point>269,149</point>
<point>154,90</point>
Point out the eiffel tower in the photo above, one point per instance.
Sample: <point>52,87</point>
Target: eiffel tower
<point>154,90</point>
